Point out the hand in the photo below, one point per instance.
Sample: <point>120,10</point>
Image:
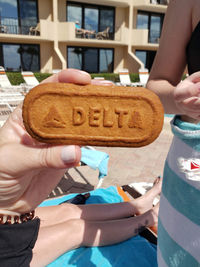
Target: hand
<point>29,170</point>
<point>187,96</point>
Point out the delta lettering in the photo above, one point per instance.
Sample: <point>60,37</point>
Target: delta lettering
<point>105,117</point>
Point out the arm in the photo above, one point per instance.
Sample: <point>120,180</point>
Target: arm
<point>170,60</point>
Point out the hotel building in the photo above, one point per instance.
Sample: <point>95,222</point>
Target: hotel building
<point>95,36</point>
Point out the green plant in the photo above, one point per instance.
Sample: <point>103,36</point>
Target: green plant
<point>41,76</point>
<point>16,78</point>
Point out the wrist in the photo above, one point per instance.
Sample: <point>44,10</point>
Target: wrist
<point>189,119</point>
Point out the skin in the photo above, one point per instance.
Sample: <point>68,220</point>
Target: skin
<point>170,62</point>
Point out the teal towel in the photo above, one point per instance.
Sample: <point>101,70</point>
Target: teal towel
<point>96,160</point>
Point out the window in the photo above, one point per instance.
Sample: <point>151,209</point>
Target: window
<point>28,15</point>
<point>151,21</point>
<point>17,57</point>
<point>92,60</point>
<point>106,62</point>
<point>147,57</point>
<point>142,21</point>
<point>155,28</point>
<point>18,15</point>
<point>74,13</point>
<point>92,17</point>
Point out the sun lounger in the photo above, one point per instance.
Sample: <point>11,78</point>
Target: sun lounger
<point>29,78</point>
<point>6,86</point>
<point>144,76</point>
<point>124,78</point>
<point>4,81</point>
<point>140,188</point>
<point>8,102</point>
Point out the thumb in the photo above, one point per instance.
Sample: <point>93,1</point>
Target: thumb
<point>17,158</point>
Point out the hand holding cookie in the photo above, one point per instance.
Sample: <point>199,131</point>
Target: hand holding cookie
<point>29,170</point>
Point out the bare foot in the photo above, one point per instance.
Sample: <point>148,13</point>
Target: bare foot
<point>145,202</point>
<point>155,211</point>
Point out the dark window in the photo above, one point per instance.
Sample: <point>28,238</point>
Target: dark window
<point>18,15</point>
<point>92,60</point>
<point>16,57</point>
<point>147,57</point>
<point>74,57</point>
<point>92,17</point>
<point>106,62</point>
<point>152,22</point>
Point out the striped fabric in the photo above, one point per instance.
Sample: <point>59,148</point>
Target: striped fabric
<point>179,216</point>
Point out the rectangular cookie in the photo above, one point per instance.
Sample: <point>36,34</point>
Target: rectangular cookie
<point>61,113</point>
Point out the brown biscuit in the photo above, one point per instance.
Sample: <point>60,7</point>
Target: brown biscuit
<point>59,113</point>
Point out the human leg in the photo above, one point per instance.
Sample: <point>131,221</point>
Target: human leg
<point>58,214</point>
<point>54,240</point>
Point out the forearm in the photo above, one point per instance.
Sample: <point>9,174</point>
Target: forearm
<point>164,91</point>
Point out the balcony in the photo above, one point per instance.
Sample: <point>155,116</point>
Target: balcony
<point>10,25</point>
<point>68,32</point>
<point>43,30</point>
<point>47,30</point>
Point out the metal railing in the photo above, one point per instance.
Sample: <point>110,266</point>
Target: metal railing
<point>154,37</point>
<point>159,2</point>
<point>16,26</point>
<point>92,33</point>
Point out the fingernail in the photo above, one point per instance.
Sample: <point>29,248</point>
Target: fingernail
<point>68,154</point>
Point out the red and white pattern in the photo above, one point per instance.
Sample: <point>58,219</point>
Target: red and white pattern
<point>191,167</point>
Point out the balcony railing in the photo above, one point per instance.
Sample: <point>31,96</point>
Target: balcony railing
<point>94,35</point>
<point>159,2</point>
<point>16,26</point>
<point>154,37</point>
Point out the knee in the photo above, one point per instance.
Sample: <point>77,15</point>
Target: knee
<point>77,230</point>
<point>70,210</point>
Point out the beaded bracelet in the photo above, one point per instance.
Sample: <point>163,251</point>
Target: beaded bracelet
<point>16,219</point>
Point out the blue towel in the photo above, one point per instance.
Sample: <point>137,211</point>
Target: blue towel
<point>135,252</point>
<point>96,160</point>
